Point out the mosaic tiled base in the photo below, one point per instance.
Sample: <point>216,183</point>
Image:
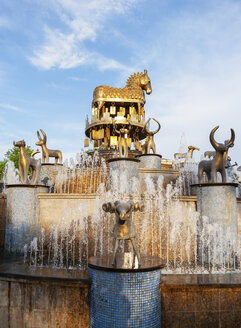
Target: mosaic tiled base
<point>125,299</point>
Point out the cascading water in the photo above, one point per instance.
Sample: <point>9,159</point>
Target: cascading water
<point>82,175</point>
<point>169,227</point>
<point>11,175</point>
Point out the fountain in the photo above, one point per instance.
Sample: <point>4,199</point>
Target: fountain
<point>177,260</point>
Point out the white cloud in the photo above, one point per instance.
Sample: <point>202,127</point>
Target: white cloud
<point>81,21</point>
<point>12,108</point>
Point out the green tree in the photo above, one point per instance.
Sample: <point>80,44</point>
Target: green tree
<point>12,155</point>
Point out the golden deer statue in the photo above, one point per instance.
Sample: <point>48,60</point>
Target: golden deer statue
<point>219,162</point>
<point>46,153</point>
<point>26,162</point>
<point>149,143</point>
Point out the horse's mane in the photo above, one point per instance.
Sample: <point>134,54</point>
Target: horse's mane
<point>133,79</point>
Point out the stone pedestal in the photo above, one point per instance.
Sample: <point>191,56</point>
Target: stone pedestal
<point>150,170</point>
<point>150,161</point>
<point>218,224</point>
<point>123,175</point>
<point>48,173</point>
<point>22,216</point>
<point>125,297</point>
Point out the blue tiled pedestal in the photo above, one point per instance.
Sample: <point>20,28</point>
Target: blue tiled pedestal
<point>125,298</point>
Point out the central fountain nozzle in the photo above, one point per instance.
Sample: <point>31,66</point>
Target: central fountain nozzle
<point>124,228</point>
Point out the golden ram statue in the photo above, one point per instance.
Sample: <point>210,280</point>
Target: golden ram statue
<point>132,92</point>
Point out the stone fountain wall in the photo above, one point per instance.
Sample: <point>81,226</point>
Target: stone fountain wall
<point>3,207</point>
<point>31,303</point>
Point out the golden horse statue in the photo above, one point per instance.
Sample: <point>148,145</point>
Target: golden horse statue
<point>132,92</point>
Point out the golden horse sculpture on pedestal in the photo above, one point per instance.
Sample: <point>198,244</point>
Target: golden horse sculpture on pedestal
<point>46,153</point>
<point>219,162</point>
<point>26,162</point>
<point>149,143</point>
<point>132,92</point>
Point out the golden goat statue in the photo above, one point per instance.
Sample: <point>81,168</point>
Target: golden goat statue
<point>219,162</point>
<point>46,153</point>
<point>26,162</point>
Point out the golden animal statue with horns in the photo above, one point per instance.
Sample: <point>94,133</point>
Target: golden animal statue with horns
<point>46,153</point>
<point>149,143</point>
<point>132,92</point>
<point>219,162</point>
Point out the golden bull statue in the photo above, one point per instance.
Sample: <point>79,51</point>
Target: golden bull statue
<point>219,162</point>
<point>124,227</point>
<point>149,143</point>
<point>46,153</point>
<point>26,162</point>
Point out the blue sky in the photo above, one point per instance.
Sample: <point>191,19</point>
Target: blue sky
<point>54,53</point>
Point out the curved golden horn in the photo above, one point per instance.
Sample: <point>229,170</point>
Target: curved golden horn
<point>39,136</point>
<point>44,135</point>
<point>215,144</point>
<point>159,126</point>
<point>145,126</point>
<point>231,141</point>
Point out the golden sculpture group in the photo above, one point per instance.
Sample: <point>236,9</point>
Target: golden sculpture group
<point>26,162</point>
<point>118,122</point>
<point>118,117</point>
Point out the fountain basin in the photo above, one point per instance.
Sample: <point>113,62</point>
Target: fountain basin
<point>41,297</point>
